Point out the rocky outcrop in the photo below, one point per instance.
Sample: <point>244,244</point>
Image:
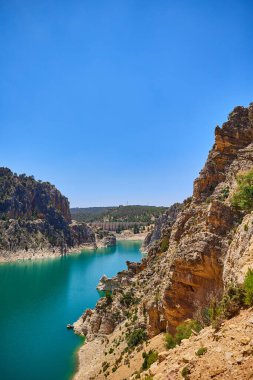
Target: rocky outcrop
<point>104,238</point>
<point>162,226</point>
<point>107,284</point>
<point>205,247</point>
<point>35,217</point>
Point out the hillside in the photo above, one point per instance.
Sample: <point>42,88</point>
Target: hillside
<point>35,218</point>
<point>126,214</point>
<point>190,268</point>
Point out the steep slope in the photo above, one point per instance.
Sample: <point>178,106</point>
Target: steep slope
<point>35,217</point>
<point>162,227</point>
<point>201,251</point>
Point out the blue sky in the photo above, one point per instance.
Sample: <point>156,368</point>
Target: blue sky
<point>117,101</point>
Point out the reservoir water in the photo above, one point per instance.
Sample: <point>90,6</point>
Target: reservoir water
<point>39,298</point>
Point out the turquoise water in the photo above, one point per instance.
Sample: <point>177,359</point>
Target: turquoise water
<point>39,298</point>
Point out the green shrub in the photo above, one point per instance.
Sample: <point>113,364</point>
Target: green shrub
<point>201,351</point>
<point>149,358</point>
<point>183,331</point>
<point>105,366</point>
<point>232,301</point>
<point>185,372</point>
<point>108,297</point>
<point>127,299</point>
<point>243,197</point>
<point>248,288</point>
<point>224,193</point>
<point>164,245</point>
<point>170,341</point>
<point>136,337</point>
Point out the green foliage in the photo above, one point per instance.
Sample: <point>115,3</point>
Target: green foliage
<point>183,331</point>
<point>105,366</point>
<point>201,351</point>
<point>164,245</point>
<point>248,288</point>
<point>232,301</point>
<point>136,337</point>
<point>170,341</point>
<point>136,229</point>
<point>127,299</point>
<point>149,358</point>
<point>127,214</point>
<point>224,193</point>
<point>243,197</point>
<point>108,297</point>
<point>185,372</point>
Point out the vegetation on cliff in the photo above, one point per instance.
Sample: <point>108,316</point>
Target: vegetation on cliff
<point>243,197</point>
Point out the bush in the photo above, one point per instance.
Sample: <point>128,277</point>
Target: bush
<point>185,372</point>
<point>248,288</point>
<point>164,245</point>
<point>201,351</point>
<point>136,337</point>
<point>108,297</point>
<point>149,358</point>
<point>170,341</point>
<point>224,193</point>
<point>183,331</point>
<point>232,301</point>
<point>127,299</point>
<point>243,197</point>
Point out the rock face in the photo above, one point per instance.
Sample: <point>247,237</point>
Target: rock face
<point>162,227</point>
<point>107,284</point>
<point>35,216</point>
<point>197,252</point>
<point>105,239</point>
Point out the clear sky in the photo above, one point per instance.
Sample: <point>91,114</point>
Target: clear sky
<point>117,101</point>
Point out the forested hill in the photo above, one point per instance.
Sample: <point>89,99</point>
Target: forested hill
<point>130,214</point>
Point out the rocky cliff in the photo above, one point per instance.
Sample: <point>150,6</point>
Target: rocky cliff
<point>34,217</point>
<point>202,249</point>
<point>162,227</point>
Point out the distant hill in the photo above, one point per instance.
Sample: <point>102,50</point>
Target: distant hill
<point>126,214</point>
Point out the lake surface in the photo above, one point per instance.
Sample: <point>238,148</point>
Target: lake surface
<point>39,298</point>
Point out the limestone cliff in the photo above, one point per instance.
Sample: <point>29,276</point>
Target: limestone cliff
<point>204,247</point>
<point>162,227</point>
<point>35,216</point>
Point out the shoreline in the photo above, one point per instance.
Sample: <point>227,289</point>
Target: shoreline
<point>131,236</point>
<point>47,253</point>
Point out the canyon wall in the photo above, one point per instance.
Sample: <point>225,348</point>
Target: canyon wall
<point>195,254</point>
<point>35,216</point>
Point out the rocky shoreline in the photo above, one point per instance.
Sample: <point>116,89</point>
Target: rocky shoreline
<point>50,253</point>
<point>46,253</point>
